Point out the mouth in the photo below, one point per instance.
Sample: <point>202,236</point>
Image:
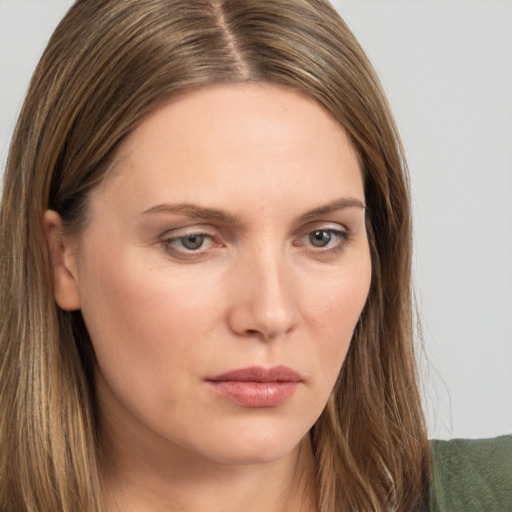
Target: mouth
<point>257,387</point>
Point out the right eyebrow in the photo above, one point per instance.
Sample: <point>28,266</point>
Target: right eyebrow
<point>193,211</point>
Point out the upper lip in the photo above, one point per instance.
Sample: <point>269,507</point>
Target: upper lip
<point>259,374</point>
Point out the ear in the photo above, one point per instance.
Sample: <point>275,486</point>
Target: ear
<point>63,256</point>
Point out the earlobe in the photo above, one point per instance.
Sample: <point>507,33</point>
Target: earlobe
<point>63,257</point>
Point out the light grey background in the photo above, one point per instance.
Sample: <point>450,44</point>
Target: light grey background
<point>447,67</point>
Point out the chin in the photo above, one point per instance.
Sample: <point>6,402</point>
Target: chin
<point>262,447</point>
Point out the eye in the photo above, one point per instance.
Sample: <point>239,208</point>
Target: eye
<point>320,238</point>
<point>326,239</point>
<point>190,242</point>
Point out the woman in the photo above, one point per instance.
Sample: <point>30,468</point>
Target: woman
<point>206,269</point>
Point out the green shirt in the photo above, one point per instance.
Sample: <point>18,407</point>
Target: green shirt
<point>472,475</point>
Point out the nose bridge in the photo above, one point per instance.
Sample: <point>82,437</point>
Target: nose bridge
<point>268,302</point>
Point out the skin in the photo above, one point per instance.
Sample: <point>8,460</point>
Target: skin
<point>257,288</point>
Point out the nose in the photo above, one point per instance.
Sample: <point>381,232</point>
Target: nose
<point>264,299</point>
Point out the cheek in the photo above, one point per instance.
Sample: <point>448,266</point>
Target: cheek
<point>332,313</point>
<point>127,311</point>
<point>337,301</point>
<point>143,329</point>
<point>145,321</point>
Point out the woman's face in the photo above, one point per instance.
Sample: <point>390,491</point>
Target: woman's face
<point>222,272</point>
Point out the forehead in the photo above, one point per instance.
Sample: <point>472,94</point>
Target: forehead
<point>218,142</point>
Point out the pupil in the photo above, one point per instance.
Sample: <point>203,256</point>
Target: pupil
<point>320,238</point>
<point>193,241</point>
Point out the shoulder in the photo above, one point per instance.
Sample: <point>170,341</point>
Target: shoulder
<point>472,475</point>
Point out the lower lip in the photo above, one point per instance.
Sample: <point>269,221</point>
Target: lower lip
<point>255,394</point>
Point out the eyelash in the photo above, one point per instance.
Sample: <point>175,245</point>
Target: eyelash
<point>341,238</point>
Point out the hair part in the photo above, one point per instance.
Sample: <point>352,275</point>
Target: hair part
<point>109,64</point>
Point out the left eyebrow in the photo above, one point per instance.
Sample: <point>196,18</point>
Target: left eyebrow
<point>333,206</point>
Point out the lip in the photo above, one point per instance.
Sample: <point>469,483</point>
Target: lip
<point>257,387</point>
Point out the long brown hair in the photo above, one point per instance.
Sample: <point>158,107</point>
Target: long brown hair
<point>107,66</point>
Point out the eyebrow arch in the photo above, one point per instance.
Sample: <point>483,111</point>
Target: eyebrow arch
<point>214,214</point>
<point>333,206</point>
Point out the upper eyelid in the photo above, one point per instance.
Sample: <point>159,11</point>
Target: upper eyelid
<point>322,225</point>
<point>186,235</point>
<point>183,231</point>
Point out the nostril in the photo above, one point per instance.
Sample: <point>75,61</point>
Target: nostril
<point>255,333</point>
